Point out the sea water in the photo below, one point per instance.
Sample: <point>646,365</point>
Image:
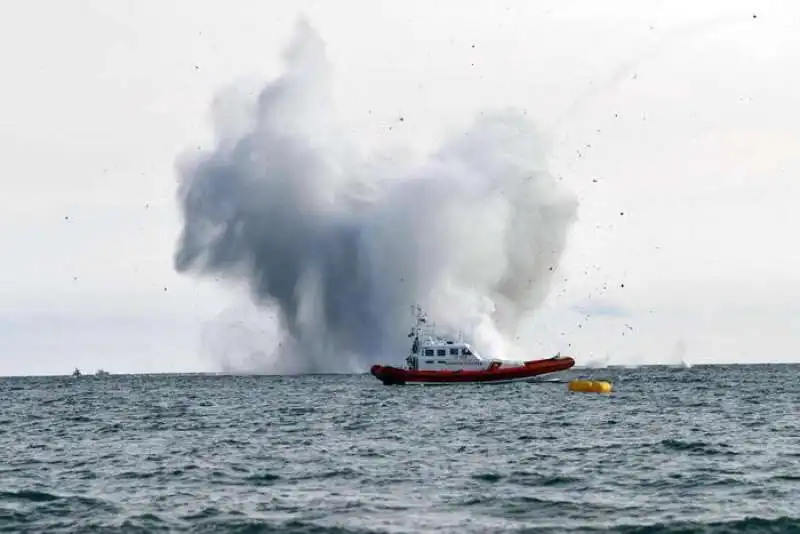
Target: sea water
<point>706,449</point>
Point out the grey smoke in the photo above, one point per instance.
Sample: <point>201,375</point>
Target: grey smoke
<point>338,246</point>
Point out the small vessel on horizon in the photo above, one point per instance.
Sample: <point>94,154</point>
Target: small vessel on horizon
<point>435,359</point>
<point>76,373</point>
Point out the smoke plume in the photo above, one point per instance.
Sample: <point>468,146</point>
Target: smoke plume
<point>339,246</point>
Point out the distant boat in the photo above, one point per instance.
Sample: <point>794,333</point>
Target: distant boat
<point>76,373</point>
<point>101,372</point>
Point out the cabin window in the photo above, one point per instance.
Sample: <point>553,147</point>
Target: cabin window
<point>429,361</point>
<point>443,362</point>
<point>466,352</point>
<point>428,352</point>
<point>441,352</point>
<point>453,352</point>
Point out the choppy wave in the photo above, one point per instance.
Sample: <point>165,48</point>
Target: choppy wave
<point>750,525</point>
<point>714,450</point>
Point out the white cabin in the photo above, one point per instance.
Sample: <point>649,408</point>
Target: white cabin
<point>448,355</point>
<point>432,352</point>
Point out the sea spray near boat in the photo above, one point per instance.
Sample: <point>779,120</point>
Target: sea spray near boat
<point>436,359</point>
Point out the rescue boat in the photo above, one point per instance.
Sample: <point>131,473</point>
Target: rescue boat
<point>435,359</point>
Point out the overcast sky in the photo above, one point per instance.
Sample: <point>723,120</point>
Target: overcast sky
<point>675,124</point>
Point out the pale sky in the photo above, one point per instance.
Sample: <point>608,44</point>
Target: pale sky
<point>676,124</point>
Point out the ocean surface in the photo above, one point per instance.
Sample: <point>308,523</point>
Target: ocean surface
<point>705,449</point>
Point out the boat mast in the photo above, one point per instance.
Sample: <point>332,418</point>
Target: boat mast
<point>417,329</point>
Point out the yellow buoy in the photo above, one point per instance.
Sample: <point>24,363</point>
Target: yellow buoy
<point>590,386</point>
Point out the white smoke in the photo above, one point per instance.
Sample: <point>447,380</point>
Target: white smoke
<point>340,247</point>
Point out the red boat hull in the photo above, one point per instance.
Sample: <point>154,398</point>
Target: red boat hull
<point>393,375</point>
